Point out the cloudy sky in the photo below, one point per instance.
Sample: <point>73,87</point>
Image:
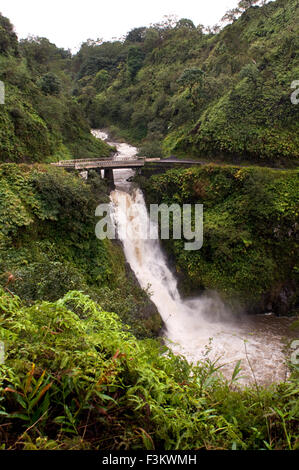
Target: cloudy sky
<point>68,23</point>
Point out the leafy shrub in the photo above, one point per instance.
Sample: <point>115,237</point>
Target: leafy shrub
<point>73,378</point>
<point>151,149</point>
<point>50,84</point>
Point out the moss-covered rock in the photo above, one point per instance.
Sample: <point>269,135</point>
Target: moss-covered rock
<point>250,249</point>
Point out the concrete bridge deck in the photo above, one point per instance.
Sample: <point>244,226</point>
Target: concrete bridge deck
<point>99,164</point>
<point>88,164</point>
<point>151,165</point>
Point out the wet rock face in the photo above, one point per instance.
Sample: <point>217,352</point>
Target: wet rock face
<point>286,300</point>
<point>282,300</point>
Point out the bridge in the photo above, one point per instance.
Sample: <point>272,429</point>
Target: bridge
<point>157,164</point>
<point>84,165</point>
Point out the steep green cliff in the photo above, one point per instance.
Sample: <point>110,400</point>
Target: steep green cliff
<point>250,230</point>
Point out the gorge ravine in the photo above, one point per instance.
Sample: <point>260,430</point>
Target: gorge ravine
<point>197,328</point>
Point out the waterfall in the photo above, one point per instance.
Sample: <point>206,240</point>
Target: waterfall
<point>196,328</point>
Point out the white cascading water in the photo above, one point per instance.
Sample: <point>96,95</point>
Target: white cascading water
<point>196,328</point>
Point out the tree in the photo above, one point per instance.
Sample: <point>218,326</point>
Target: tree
<point>151,40</point>
<point>101,80</point>
<point>164,27</point>
<point>136,35</point>
<point>192,78</point>
<point>40,53</point>
<point>245,4</point>
<point>8,38</point>
<point>134,60</point>
<point>215,29</point>
<point>185,23</point>
<point>231,15</point>
<point>92,59</point>
<point>251,72</point>
<point>50,84</point>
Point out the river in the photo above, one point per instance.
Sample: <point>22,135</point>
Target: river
<point>197,328</point>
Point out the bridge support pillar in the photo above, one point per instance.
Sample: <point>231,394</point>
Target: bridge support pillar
<point>108,176</point>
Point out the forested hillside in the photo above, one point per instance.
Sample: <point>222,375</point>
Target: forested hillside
<point>83,364</point>
<point>172,88</point>
<point>40,120</point>
<point>179,88</point>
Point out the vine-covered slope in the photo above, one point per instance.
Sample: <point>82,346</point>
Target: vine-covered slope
<point>250,232</point>
<point>179,89</point>
<point>40,120</point>
<point>48,244</point>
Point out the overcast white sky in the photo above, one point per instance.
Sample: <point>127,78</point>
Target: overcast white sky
<point>68,23</point>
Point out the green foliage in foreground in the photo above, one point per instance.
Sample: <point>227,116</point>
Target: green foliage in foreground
<point>250,247</point>
<point>74,379</point>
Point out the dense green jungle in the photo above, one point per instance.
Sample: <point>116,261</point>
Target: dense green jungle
<point>85,366</point>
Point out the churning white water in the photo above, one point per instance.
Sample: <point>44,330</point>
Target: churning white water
<point>201,327</point>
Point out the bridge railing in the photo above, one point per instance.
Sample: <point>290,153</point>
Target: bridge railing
<point>91,161</point>
<point>81,164</point>
<point>77,160</point>
<point>110,164</point>
<point>89,164</point>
